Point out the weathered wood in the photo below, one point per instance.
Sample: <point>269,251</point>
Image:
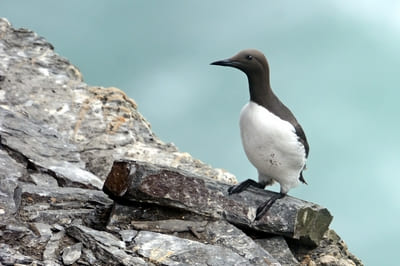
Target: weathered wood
<point>144,182</point>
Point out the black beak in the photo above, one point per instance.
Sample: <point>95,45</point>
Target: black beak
<point>225,62</point>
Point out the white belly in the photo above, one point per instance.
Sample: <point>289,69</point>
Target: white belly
<point>272,146</point>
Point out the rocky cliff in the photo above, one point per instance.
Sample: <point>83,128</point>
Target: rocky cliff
<point>62,143</point>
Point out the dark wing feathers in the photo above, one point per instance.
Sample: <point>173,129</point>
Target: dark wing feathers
<point>302,137</point>
<point>280,110</point>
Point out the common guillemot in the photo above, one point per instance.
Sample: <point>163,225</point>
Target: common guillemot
<point>273,140</point>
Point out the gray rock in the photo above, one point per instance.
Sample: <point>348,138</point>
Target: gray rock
<point>108,248</point>
<point>11,171</point>
<point>34,140</point>
<point>170,250</point>
<point>61,196</point>
<point>10,256</point>
<point>92,237</point>
<point>51,263</point>
<point>14,231</point>
<point>57,157</point>
<point>121,216</point>
<point>88,257</point>
<point>279,249</point>
<point>144,182</point>
<point>170,226</point>
<point>52,247</point>
<point>43,230</point>
<point>17,228</point>
<point>218,233</point>
<point>224,234</point>
<point>61,204</point>
<point>128,235</point>
<point>72,253</point>
<point>44,180</point>
<point>57,228</point>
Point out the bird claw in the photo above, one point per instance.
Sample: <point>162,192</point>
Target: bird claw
<point>259,214</point>
<point>234,189</point>
<point>244,185</point>
<point>263,208</point>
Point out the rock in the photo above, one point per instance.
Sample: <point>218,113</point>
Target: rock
<point>93,237</point>
<point>346,262</point>
<point>328,260</point>
<point>170,250</point>
<point>51,263</point>
<point>59,139</point>
<point>59,151</point>
<point>106,246</point>
<point>88,258</point>
<point>80,126</point>
<point>10,256</point>
<point>169,226</point>
<point>127,235</point>
<point>331,251</point>
<point>52,247</point>
<point>41,179</point>
<point>224,234</point>
<point>11,171</point>
<point>217,233</point>
<point>61,204</point>
<point>208,232</point>
<point>144,182</point>
<point>43,230</point>
<point>72,253</point>
<point>122,216</point>
<point>57,228</point>
<point>279,249</point>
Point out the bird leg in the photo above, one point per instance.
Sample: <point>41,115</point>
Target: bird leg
<point>244,185</point>
<point>263,208</point>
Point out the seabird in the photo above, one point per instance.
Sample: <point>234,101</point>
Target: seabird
<point>273,140</point>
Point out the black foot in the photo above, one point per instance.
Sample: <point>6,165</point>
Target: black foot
<point>243,185</point>
<point>263,208</point>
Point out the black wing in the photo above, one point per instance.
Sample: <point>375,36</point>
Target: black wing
<point>280,110</point>
<point>302,137</point>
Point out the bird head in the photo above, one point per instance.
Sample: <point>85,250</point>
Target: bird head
<point>250,61</point>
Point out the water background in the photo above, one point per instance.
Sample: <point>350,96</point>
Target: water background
<point>334,63</point>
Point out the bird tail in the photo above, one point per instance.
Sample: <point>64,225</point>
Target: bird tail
<point>301,178</point>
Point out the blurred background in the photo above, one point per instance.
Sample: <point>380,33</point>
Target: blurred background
<point>335,64</point>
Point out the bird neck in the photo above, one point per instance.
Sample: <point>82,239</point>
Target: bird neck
<point>260,89</point>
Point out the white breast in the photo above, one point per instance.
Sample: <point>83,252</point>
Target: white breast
<point>272,146</point>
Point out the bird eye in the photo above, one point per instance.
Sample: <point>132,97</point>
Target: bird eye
<point>249,57</point>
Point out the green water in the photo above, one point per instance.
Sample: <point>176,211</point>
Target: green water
<point>335,64</point>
